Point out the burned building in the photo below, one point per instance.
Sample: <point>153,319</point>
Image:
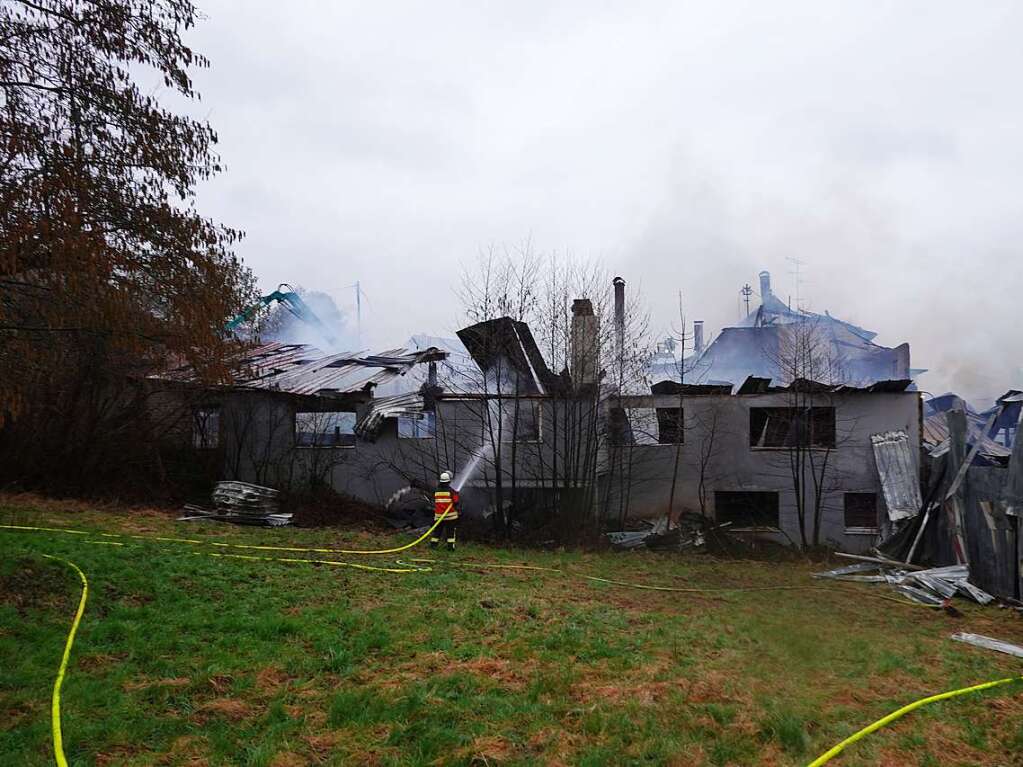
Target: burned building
<point>796,464</point>
<point>583,446</point>
<point>781,343</point>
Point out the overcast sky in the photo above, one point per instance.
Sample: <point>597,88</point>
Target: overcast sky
<point>687,145</point>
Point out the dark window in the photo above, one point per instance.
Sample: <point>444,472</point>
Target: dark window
<point>669,426</point>
<point>747,509</point>
<point>325,429</point>
<point>206,428</point>
<point>524,422</point>
<point>861,510</point>
<point>792,427</point>
<point>422,426</point>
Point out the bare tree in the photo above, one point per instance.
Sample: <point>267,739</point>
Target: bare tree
<point>543,450</point>
<point>807,428</point>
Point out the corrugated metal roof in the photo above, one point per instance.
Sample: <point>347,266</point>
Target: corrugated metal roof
<point>388,407</point>
<point>936,437</point>
<point>897,470</point>
<point>304,369</point>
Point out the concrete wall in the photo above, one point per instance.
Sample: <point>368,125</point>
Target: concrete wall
<point>257,430</point>
<point>717,445</point>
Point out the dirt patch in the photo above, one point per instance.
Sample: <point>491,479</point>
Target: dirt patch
<point>323,745</point>
<point>35,585</point>
<point>228,708</point>
<point>145,684</point>
<point>117,755</point>
<point>512,676</point>
<point>271,680</point>
<point>710,688</point>
<point>489,750</point>
<point>220,682</point>
<point>99,661</point>
<point>289,759</point>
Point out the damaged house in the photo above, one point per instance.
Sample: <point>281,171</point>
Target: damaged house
<point>972,511</point>
<point>375,426</point>
<point>798,462</point>
<point>804,464</point>
<point>761,344</point>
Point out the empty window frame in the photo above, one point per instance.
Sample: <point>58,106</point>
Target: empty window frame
<point>746,508</point>
<point>524,422</point>
<point>860,511</point>
<point>314,429</point>
<point>670,426</point>
<point>206,428</point>
<point>792,427</point>
<point>422,426</point>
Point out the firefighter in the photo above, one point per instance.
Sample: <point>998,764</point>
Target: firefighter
<point>445,499</point>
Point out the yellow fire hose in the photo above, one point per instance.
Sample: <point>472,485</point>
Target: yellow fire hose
<point>836,750</point>
<point>55,709</point>
<point>58,739</point>
<point>249,546</point>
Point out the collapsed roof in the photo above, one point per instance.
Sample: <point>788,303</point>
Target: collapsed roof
<point>506,347</point>
<point>305,370</point>
<point>762,344</point>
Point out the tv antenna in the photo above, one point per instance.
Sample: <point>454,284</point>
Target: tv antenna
<point>359,295</point>
<point>795,271</point>
<point>746,291</point>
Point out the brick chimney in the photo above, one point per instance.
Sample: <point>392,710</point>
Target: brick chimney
<point>585,343</point>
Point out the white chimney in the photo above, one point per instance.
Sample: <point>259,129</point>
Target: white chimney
<point>585,343</point>
<point>698,336</point>
<point>765,284</point>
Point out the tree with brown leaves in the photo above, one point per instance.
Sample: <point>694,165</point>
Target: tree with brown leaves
<point>107,271</point>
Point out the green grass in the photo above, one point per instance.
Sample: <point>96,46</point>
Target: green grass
<point>187,659</point>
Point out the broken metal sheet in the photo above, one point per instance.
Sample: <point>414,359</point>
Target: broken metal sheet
<point>411,405</point>
<point>975,593</point>
<point>946,589</point>
<point>919,595</point>
<point>1012,493</point>
<point>242,499</point>
<point>857,569</point>
<point>629,540</point>
<point>989,643</point>
<point>306,370</point>
<point>897,471</point>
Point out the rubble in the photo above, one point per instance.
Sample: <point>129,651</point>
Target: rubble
<point>989,643</point>
<point>687,532</point>
<point>241,503</point>
<point>934,586</point>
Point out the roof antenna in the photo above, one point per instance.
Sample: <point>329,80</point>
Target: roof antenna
<point>746,291</point>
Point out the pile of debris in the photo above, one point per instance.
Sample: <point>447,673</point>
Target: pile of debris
<point>689,531</point>
<point>928,586</point>
<point>242,504</point>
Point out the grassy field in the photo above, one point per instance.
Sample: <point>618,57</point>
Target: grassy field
<point>189,659</point>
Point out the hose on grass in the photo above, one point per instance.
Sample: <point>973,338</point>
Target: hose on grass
<point>831,753</point>
<point>248,546</point>
<point>58,738</point>
<point>411,568</point>
<point>404,568</point>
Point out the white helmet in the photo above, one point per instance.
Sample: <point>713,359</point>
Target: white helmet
<point>445,476</point>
